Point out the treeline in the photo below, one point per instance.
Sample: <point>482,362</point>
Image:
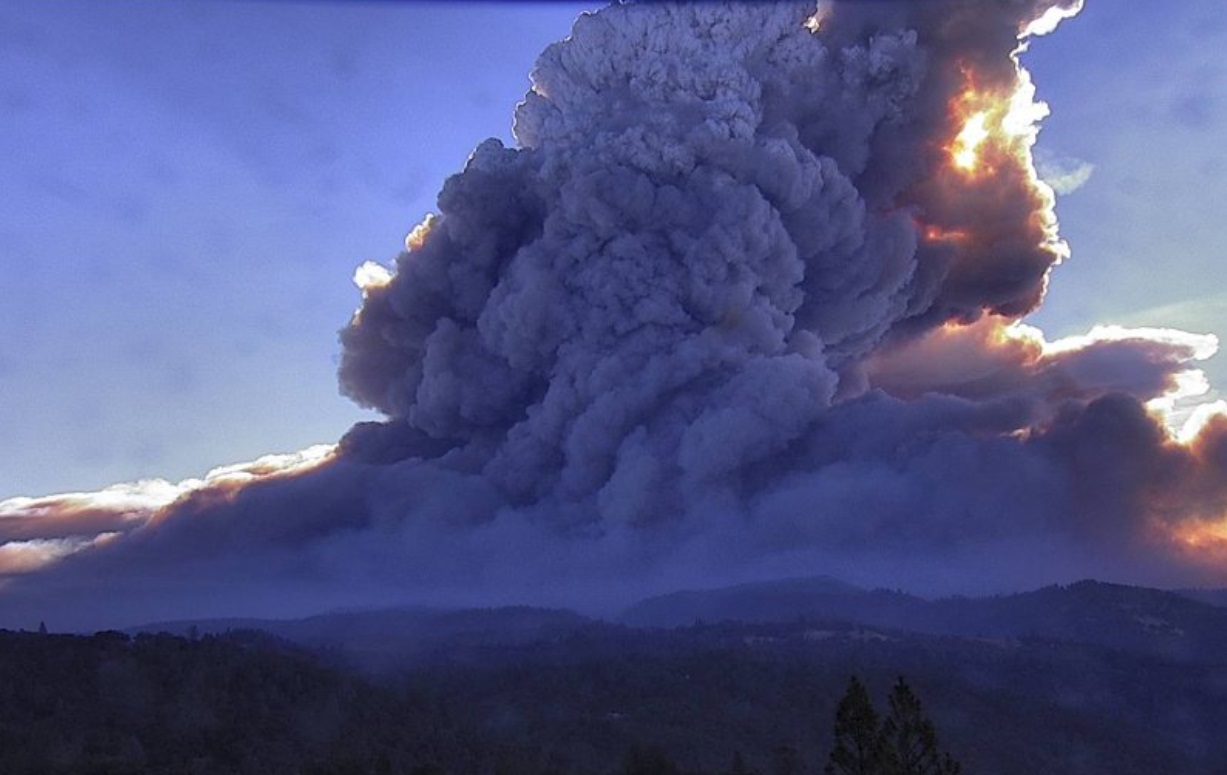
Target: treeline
<point>903,742</point>
<point>248,702</point>
<point>241,703</point>
<point>717,700</point>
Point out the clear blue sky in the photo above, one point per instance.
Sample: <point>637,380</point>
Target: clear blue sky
<point>188,187</point>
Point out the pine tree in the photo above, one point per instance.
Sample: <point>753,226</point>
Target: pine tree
<point>860,748</point>
<point>910,738</point>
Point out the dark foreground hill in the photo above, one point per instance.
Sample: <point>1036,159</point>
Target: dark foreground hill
<point>511,691</point>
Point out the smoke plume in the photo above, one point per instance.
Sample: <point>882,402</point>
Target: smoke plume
<point>743,301</point>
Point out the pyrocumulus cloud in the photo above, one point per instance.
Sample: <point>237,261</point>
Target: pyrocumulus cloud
<point>743,301</point>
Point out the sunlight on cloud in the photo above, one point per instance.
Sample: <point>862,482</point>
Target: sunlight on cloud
<point>1200,346</point>
<point>820,14</point>
<point>371,275</point>
<point>1051,18</point>
<point>417,237</point>
<point>26,556</point>
<point>1199,417</point>
<point>269,465</point>
<point>130,497</point>
<point>49,528</point>
<point>1182,408</point>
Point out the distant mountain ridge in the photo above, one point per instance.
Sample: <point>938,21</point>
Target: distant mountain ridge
<point>1135,619</point>
<point>1216,597</point>
<point>765,601</point>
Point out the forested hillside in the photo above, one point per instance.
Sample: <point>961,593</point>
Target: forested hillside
<point>243,703</point>
<point>595,698</point>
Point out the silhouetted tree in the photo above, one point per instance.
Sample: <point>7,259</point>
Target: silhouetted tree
<point>911,740</point>
<point>860,748</point>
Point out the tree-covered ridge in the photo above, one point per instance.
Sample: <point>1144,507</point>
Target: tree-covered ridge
<point>599,699</point>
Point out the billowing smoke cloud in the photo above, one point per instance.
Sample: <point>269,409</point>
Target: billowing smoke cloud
<point>742,302</point>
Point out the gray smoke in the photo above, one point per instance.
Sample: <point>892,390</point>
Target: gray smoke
<point>708,227</point>
<point>725,312</point>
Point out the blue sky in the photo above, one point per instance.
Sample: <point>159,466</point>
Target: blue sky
<point>189,187</point>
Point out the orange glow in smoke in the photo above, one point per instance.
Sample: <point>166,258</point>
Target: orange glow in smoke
<point>979,118</point>
<point>965,150</point>
<point>992,125</point>
<point>934,233</point>
<point>1202,543</point>
<point>1201,535</point>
